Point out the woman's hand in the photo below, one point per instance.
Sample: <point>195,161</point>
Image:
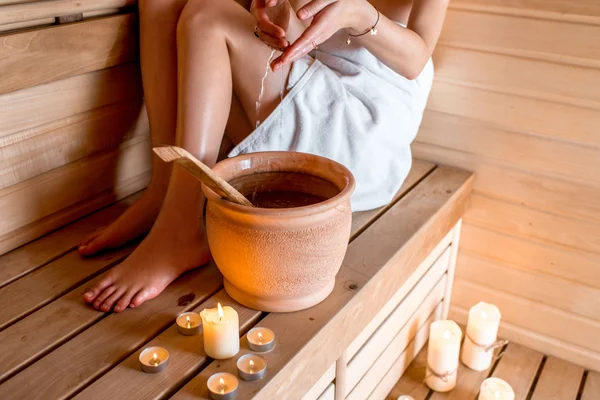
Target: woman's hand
<point>272,19</point>
<point>329,16</point>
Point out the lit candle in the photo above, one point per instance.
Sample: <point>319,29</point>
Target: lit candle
<point>442,355</point>
<point>252,367</point>
<point>260,339</point>
<point>496,389</point>
<point>405,397</point>
<point>482,332</point>
<point>222,386</point>
<point>154,359</point>
<point>189,323</point>
<point>221,332</point>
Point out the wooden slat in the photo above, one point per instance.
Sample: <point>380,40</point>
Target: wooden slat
<point>71,191</point>
<point>428,298</point>
<point>498,72</point>
<point>591,390</point>
<point>587,11</point>
<point>412,380</point>
<point>186,357</point>
<point>518,366</point>
<point>506,249</point>
<point>95,131</point>
<point>22,343</point>
<point>48,248</point>
<point>421,272</point>
<point>75,364</point>
<point>523,151</point>
<point>66,51</point>
<point>542,288</point>
<point>51,281</point>
<point>495,178</point>
<point>16,13</point>
<point>322,385</point>
<point>35,110</point>
<point>526,37</point>
<point>329,393</point>
<point>576,354</point>
<point>396,358</point>
<point>532,224</point>
<point>560,380</point>
<point>534,315</point>
<point>411,225</point>
<point>419,170</point>
<point>557,120</point>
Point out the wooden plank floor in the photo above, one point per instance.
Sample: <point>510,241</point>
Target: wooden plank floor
<point>53,346</point>
<point>532,375</point>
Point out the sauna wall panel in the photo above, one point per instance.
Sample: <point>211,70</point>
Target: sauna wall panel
<point>517,100</point>
<point>74,134</point>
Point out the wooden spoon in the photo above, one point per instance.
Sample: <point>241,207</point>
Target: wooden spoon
<point>202,172</point>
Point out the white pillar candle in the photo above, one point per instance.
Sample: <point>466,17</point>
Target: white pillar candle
<point>442,355</point>
<point>221,329</point>
<point>496,389</point>
<point>482,332</point>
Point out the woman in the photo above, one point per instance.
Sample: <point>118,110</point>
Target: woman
<point>356,86</point>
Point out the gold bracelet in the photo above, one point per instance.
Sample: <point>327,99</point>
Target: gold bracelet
<point>372,30</point>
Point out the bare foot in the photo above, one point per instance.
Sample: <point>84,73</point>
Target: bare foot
<point>176,243</point>
<point>134,222</point>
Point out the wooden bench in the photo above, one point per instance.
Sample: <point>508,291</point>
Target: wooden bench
<point>395,279</point>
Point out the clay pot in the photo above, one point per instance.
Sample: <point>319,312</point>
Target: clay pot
<point>280,259</point>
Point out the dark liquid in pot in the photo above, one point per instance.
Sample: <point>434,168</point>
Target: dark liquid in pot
<point>284,199</point>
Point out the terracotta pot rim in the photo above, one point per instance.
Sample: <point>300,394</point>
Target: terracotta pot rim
<point>339,199</point>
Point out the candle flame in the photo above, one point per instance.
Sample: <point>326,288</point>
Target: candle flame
<point>154,356</point>
<point>446,334</point>
<point>260,338</point>
<point>497,394</point>
<point>251,366</point>
<point>220,311</point>
<point>484,314</point>
<point>188,322</point>
<point>222,385</point>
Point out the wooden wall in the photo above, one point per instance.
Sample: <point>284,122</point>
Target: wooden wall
<point>517,99</point>
<point>73,132</point>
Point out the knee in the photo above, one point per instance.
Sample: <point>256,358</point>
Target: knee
<point>198,14</point>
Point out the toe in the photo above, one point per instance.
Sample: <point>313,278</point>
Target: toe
<point>124,301</point>
<point>142,296</point>
<point>91,294</point>
<point>110,302</point>
<point>103,296</point>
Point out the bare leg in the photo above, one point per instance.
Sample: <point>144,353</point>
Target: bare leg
<point>217,55</point>
<point>158,52</point>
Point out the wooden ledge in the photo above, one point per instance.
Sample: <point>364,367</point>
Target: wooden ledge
<point>54,346</point>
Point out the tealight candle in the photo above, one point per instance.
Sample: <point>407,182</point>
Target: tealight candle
<point>189,323</point>
<point>260,339</point>
<point>222,386</point>
<point>221,332</point>
<point>405,397</point>
<point>496,389</point>
<point>482,332</point>
<point>252,367</point>
<point>442,355</point>
<point>154,359</point>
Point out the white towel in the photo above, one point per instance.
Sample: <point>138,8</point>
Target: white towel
<point>346,105</point>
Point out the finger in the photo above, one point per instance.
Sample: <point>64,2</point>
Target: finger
<point>313,8</point>
<point>272,3</point>
<point>273,42</point>
<point>266,25</point>
<point>305,43</point>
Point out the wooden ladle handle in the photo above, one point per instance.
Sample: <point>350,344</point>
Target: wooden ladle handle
<point>202,172</point>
